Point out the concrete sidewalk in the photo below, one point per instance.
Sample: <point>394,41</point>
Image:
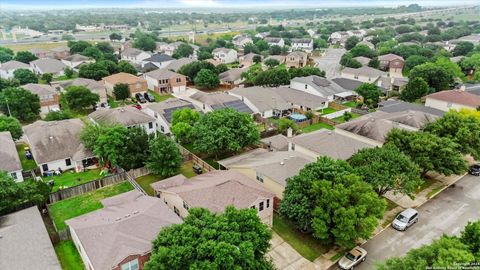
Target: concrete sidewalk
<point>286,258</point>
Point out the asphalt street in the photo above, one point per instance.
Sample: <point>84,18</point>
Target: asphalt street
<point>447,213</point>
<point>330,62</point>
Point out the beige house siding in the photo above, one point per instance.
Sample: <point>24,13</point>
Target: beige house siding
<point>445,105</point>
<point>268,183</point>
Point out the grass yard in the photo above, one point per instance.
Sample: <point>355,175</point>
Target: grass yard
<point>425,184</point>
<point>68,256</point>
<point>85,203</point>
<point>159,97</point>
<point>305,244</point>
<point>435,191</point>
<point>327,110</point>
<point>187,169</point>
<point>317,126</point>
<point>44,46</point>
<point>351,104</point>
<point>390,205</point>
<point>341,119</point>
<point>71,178</point>
<point>27,164</point>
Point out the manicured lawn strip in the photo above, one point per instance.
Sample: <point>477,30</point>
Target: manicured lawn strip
<point>187,169</point>
<point>68,256</point>
<point>85,203</point>
<point>327,111</point>
<point>351,104</point>
<point>305,244</point>
<point>390,205</point>
<point>341,119</point>
<point>337,256</point>
<point>158,97</point>
<point>435,191</point>
<point>425,184</point>
<point>317,126</point>
<point>27,164</point>
<point>146,180</point>
<point>71,178</point>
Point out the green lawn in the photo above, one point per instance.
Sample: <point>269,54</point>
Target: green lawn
<point>71,178</point>
<point>68,256</point>
<point>64,78</point>
<point>158,97</point>
<point>187,169</point>
<point>390,205</point>
<point>27,164</point>
<point>305,244</point>
<point>341,119</point>
<point>317,126</point>
<point>146,180</point>
<point>351,104</point>
<point>434,191</point>
<point>425,184</point>
<point>327,110</point>
<point>85,203</point>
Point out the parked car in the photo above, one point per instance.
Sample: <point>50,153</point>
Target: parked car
<point>140,98</point>
<point>149,97</point>
<point>405,219</point>
<point>352,258</point>
<point>138,106</point>
<point>474,170</point>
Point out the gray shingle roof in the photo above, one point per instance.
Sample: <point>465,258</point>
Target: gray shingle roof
<point>167,107</point>
<point>263,98</point>
<point>162,73</point>
<point>347,84</point>
<point>47,65</point>
<point>9,160</point>
<point>215,190</point>
<point>392,106</point>
<point>231,74</point>
<point>127,225</point>
<point>24,242</point>
<point>159,58</point>
<point>323,86</point>
<point>364,71</point>
<point>76,58</point>
<point>175,65</point>
<point>127,116</point>
<point>40,89</point>
<point>10,65</point>
<point>92,85</point>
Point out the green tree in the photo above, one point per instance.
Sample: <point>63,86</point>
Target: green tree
<point>362,50</point>
<point>251,74</point>
<point>271,62</point>
<point>273,77</point>
<point>460,128</point>
<point>183,50</point>
<point>207,79</point>
<point>191,70</point>
<point>124,66</point>
<point>121,91</point>
<point>78,46</point>
<point>135,150</point>
<point>429,152</point>
<point>47,77</point>
<point>305,72</point>
<point>463,48</point>
<point>22,104</point>
<point>68,73</point>
<point>25,57</point>
<point>4,84</point>
<point>235,239</point>
<point>370,93</point>
<point>58,115</point>
<point>449,66</point>
<point>95,71</point>
<point>284,124</point>
<point>25,76</point>
<point>105,47</point>
<point>224,130</point>
<point>414,89</point>
<point>387,169</point>
<point>262,45</point>
<point>257,59</point>
<point>12,125</point>
<point>80,97</point>
<point>186,115</point>
<point>115,36</point>
<point>144,42</point>
<point>471,237</point>
<point>182,132</point>
<point>6,54</point>
<point>250,48</point>
<point>328,199</point>
<point>436,76</point>
<point>275,50</point>
<point>165,158</point>
<point>374,63</point>
<point>351,42</point>
<point>93,52</point>
<point>347,116</point>
<point>109,145</point>
<point>414,60</point>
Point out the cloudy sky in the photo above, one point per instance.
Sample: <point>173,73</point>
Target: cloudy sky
<point>42,4</point>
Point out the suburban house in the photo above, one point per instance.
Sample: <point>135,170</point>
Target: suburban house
<point>56,145</point>
<point>247,60</point>
<point>316,85</point>
<point>215,191</point>
<point>240,40</point>
<point>363,74</point>
<point>163,112</point>
<point>25,242</point>
<point>387,84</point>
<point>225,55</point>
<point>74,61</point>
<point>339,38</point>
<point>92,85</point>
<point>268,168</point>
<point>49,97</point>
<point>395,106</point>
<point>275,41</point>
<point>165,81</point>
<point>135,84</point>
<point>170,48</point>
<point>347,84</point>
<point>119,236</point>
<point>453,99</point>
<point>368,43</point>
<point>39,53</point>
<point>48,65</point>
<point>268,102</point>
<point>231,77</point>
<point>8,68</point>
<point>357,33</point>
<point>280,58</point>
<point>262,35</point>
<point>176,64</point>
<point>135,56</point>
<point>393,63</point>
<point>303,44</point>
<point>60,52</point>
<point>159,60</point>
<point>125,116</point>
<point>296,59</point>
<point>9,160</point>
<point>363,60</point>
<point>208,102</point>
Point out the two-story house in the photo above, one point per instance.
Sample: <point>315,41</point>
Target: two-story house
<point>49,97</point>
<point>225,55</point>
<point>303,44</point>
<point>165,81</point>
<point>135,84</point>
<point>134,56</point>
<point>126,116</point>
<point>275,41</point>
<point>296,59</point>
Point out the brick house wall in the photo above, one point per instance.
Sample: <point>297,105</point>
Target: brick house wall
<point>137,87</point>
<point>142,259</point>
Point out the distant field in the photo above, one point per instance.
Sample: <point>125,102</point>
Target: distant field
<point>26,47</point>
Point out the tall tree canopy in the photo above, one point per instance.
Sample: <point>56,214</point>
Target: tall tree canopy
<point>235,239</point>
<point>207,79</point>
<point>414,89</point>
<point>12,125</point>
<point>437,77</point>
<point>80,97</point>
<point>20,103</point>
<point>183,50</point>
<point>25,76</point>
<point>165,158</point>
<point>370,93</point>
<point>25,57</point>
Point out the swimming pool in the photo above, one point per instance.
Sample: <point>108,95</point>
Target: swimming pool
<point>297,117</point>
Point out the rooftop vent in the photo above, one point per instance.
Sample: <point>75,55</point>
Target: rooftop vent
<point>282,163</point>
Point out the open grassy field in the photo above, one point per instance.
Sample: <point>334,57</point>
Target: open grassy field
<point>29,46</point>
<point>68,256</point>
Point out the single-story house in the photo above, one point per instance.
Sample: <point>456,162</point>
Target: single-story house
<point>225,55</point>
<point>94,86</point>
<point>368,43</point>
<point>231,77</point>
<point>165,81</point>
<point>240,40</point>
<point>363,74</point>
<point>160,60</point>
<point>56,145</point>
<point>363,60</point>
<point>39,53</point>
<point>25,242</point>
<point>395,106</point>
<point>280,58</point>
<point>208,102</point>
<point>163,112</point>
<point>9,160</point>
<point>49,97</point>
<point>215,191</point>
<point>8,68</point>
<point>74,61</point>
<point>48,65</point>
<point>60,52</point>
<point>119,236</point>
<point>135,56</point>
<point>247,60</point>
<point>453,99</point>
<point>275,41</point>
<point>322,87</point>
<point>135,84</point>
<point>125,116</point>
<point>296,59</point>
<point>347,84</point>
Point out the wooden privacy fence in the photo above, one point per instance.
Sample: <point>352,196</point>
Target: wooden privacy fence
<point>139,172</point>
<point>86,187</point>
<point>189,156</point>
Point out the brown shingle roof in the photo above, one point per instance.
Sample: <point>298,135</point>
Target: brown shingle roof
<point>127,116</point>
<point>458,97</point>
<point>9,160</point>
<point>123,77</point>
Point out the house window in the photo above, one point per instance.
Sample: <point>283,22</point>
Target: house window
<point>162,128</point>
<point>131,265</point>
<point>253,206</point>
<point>14,175</point>
<point>260,206</point>
<point>293,147</point>
<point>45,167</point>
<point>260,177</point>
<point>68,162</point>
<point>150,125</point>
<point>268,203</point>
<point>179,80</point>
<point>185,205</point>
<point>175,209</point>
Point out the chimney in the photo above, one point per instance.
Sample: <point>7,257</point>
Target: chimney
<point>289,132</point>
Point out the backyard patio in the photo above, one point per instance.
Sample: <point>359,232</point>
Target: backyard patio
<point>71,178</point>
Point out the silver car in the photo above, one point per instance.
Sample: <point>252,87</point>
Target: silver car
<point>352,258</point>
<point>405,219</point>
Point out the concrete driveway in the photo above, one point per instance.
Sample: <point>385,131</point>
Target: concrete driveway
<point>330,62</point>
<point>286,258</point>
<point>447,213</point>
